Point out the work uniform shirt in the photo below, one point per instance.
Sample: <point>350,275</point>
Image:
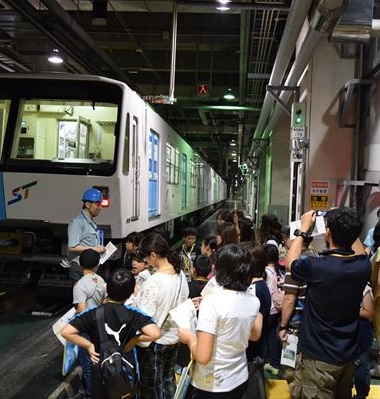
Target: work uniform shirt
<point>82,230</point>
<point>330,322</point>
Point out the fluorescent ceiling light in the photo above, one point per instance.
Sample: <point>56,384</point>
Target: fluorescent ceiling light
<point>229,95</point>
<point>55,57</point>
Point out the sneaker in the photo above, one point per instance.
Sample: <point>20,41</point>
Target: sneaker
<point>271,369</point>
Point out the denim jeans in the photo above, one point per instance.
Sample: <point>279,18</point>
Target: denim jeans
<point>273,343</point>
<point>85,363</point>
<point>362,377</point>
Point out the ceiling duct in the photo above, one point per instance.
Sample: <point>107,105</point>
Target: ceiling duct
<point>322,20</point>
<point>355,24</point>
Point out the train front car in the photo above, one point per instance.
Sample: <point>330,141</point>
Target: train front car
<point>61,134</point>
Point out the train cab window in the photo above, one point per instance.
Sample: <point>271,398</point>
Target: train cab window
<point>64,133</point>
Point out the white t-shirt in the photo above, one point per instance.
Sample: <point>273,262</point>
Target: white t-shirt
<point>159,294</point>
<point>229,316</point>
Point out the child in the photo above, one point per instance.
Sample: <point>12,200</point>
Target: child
<point>275,280</point>
<point>208,248</point>
<point>189,250</point>
<point>88,291</point>
<point>228,318</point>
<point>201,270</point>
<point>140,270</point>
<point>122,321</point>
<point>131,246</point>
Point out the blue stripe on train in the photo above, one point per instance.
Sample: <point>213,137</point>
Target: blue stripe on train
<point>2,198</point>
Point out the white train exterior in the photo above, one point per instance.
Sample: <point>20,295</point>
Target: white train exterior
<point>61,134</point>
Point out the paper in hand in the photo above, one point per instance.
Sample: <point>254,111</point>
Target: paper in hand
<point>289,351</point>
<point>184,315</point>
<point>61,322</point>
<point>110,249</point>
<point>319,227</point>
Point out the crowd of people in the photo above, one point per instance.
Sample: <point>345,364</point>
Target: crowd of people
<point>253,296</point>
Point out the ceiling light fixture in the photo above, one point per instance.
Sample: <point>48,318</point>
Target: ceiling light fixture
<point>229,95</point>
<point>223,6</point>
<point>55,57</point>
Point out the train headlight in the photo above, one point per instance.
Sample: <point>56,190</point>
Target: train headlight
<point>106,197</point>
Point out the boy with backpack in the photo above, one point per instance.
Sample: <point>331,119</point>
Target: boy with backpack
<point>121,324</point>
<point>88,291</point>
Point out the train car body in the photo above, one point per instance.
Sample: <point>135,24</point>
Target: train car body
<point>61,134</point>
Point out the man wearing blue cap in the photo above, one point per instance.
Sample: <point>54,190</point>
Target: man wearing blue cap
<point>83,232</point>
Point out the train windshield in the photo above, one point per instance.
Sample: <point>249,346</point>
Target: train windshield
<point>59,131</point>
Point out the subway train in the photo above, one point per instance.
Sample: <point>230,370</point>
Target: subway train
<point>61,134</point>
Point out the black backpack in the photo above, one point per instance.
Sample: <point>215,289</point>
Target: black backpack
<point>119,371</point>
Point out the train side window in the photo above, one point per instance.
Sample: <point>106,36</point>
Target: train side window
<point>193,176</point>
<point>153,154</point>
<point>172,164</point>
<point>126,145</point>
<point>184,180</point>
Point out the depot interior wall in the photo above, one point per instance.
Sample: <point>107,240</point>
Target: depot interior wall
<point>371,163</point>
<point>330,153</point>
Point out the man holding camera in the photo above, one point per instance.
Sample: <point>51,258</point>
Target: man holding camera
<point>335,283</point>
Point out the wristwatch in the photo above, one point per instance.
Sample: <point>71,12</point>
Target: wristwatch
<point>299,233</point>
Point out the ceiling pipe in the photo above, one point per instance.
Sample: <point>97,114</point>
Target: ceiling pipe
<point>297,14</point>
<point>233,6</point>
<point>322,22</point>
<point>173,55</point>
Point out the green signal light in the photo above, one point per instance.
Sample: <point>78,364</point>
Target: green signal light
<point>298,119</point>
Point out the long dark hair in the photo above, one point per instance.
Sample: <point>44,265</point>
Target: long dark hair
<point>154,242</point>
<point>259,258</point>
<point>270,229</point>
<point>228,233</point>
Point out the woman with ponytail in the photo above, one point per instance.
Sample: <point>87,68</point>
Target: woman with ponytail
<point>160,293</point>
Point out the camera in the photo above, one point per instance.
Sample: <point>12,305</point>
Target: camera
<point>321,213</point>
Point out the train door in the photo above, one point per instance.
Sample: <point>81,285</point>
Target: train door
<point>135,164</point>
<point>184,180</point>
<point>154,193</point>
